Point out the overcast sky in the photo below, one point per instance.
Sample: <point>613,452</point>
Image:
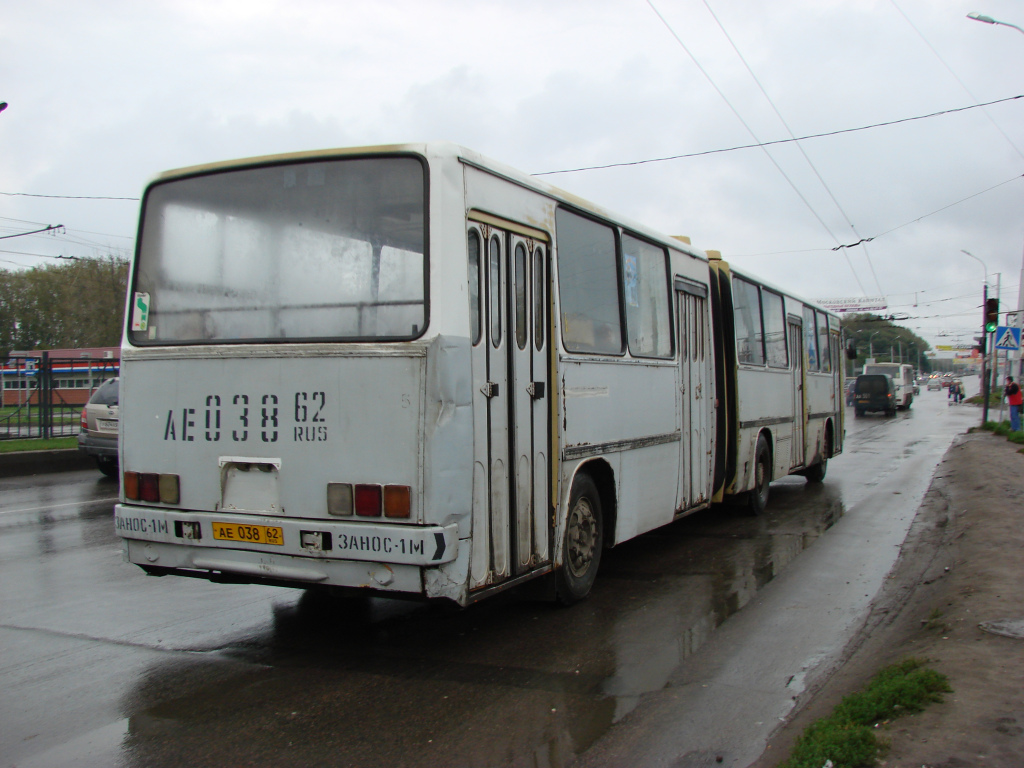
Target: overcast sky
<point>104,95</point>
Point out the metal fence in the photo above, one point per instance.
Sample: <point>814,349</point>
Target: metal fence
<point>43,396</point>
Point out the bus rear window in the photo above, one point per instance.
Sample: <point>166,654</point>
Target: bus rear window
<point>307,251</point>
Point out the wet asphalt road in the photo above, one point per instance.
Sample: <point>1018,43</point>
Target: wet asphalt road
<point>102,665</point>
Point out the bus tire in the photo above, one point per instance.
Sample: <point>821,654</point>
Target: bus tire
<point>858,412</point>
<point>758,497</point>
<point>816,472</point>
<point>107,465</point>
<point>582,543</point>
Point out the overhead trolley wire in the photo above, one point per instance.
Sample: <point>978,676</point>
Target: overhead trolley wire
<point>799,146</point>
<point>760,144</point>
<point>738,147</point>
<point>956,77</point>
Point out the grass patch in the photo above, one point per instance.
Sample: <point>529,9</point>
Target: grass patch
<point>847,736</point>
<point>995,397</point>
<point>36,444</point>
<point>1003,428</point>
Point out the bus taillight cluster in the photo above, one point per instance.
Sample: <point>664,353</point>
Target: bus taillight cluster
<point>152,487</point>
<point>369,500</point>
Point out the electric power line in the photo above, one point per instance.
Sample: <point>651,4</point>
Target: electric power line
<point>799,146</point>
<point>738,147</point>
<point>753,135</point>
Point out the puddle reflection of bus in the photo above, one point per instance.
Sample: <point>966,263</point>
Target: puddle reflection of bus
<point>416,371</point>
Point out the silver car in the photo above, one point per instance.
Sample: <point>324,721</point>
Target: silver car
<point>98,434</point>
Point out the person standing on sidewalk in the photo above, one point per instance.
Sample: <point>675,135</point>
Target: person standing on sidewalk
<point>1015,398</point>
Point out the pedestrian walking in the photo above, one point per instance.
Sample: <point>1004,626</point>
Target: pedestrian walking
<point>1015,398</point>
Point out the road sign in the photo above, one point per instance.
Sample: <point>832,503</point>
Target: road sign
<point>1008,338</point>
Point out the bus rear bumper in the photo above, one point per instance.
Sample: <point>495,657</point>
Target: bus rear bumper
<point>260,568</point>
<point>304,551</point>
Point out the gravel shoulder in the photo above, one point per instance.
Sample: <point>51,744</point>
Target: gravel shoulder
<point>962,564</point>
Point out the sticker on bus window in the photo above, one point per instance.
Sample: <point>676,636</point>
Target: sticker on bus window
<point>140,312</point>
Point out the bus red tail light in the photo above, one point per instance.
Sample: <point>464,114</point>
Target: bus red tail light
<point>131,486</point>
<point>396,501</point>
<point>368,500</point>
<point>149,487</point>
<point>152,487</point>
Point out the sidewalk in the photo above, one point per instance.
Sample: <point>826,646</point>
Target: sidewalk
<point>961,565</point>
<point>40,462</point>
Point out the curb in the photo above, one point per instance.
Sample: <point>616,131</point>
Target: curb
<point>43,462</point>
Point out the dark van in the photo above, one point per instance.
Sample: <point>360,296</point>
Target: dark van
<point>874,392</point>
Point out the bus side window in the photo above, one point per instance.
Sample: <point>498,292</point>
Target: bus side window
<point>747,314</point>
<point>810,339</point>
<point>646,292</point>
<point>824,356</point>
<point>588,285</point>
<point>475,327</point>
<point>775,329</point>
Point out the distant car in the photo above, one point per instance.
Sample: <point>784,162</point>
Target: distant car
<point>934,384</point>
<point>98,434</point>
<point>874,392</point>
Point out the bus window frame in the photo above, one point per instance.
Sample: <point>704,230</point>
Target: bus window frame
<point>138,338</point>
<point>616,233</point>
<point>623,233</point>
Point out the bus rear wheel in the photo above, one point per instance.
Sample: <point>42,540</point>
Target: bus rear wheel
<point>582,543</point>
<point>816,472</point>
<point>758,498</point>
<point>107,465</point>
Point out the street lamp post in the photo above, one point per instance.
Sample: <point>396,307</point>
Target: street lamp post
<point>989,20</point>
<point>975,16</point>
<point>871,349</point>
<point>984,337</point>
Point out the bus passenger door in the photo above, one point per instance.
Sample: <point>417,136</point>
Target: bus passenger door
<point>696,389</point>
<point>796,361</point>
<point>511,528</point>
<point>495,391</point>
<point>527,382</point>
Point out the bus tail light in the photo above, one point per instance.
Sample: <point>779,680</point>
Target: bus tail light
<point>152,487</point>
<point>339,499</point>
<point>131,485</point>
<point>396,501</point>
<point>368,500</point>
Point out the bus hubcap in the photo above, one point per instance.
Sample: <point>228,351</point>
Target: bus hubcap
<point>582,537</point>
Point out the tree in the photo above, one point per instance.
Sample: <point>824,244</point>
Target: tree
<point>77,303</point>
<point>890,342</point>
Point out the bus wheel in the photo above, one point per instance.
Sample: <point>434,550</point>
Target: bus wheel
<point>107,465</point>
<point>816,472</point>
<point>581,546</point>
<point>762,477</point>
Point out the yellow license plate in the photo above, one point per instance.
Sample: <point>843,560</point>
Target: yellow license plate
<point>249,534</point>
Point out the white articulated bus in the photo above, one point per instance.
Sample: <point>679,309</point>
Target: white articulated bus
<point>413,370</point>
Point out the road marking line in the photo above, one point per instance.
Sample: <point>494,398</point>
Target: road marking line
<point>57,506</point>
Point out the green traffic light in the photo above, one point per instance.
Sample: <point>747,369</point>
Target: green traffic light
<point>991,326</point>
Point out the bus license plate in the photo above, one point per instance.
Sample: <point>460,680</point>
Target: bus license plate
<point>254,534</point>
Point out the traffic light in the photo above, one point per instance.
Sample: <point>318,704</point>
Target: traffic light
<point>979,344</point>
<point>991,314</point>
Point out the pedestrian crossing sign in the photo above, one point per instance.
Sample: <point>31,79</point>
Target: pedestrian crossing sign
<point>1008,338</point>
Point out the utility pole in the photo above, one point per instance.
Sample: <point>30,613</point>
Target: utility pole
<point>984,356</point>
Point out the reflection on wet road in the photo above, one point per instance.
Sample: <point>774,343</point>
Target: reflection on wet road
<point>103,665</point>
